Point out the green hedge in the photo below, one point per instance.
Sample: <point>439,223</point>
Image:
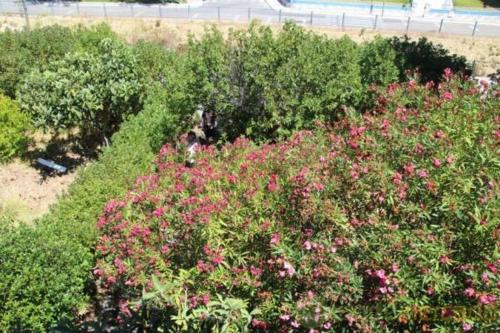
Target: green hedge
<point>14,127</point>
<point>23,51</point>
<point>45,270</point>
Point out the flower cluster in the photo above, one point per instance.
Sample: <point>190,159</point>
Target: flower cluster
<point>382,221</point>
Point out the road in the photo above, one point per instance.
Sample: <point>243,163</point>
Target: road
<point>267,11</point>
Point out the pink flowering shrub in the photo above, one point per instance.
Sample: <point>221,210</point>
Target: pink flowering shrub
<point>381,222</point>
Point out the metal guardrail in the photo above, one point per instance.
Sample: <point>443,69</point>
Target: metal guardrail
<point>341,20</point>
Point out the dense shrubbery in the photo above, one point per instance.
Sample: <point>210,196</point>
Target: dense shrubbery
<point>429,59</point>
<point>14,127</point>
<point>41,277</point>
<point>266,86</point>
<point>93,92</point>
<point>382,222</point>
<point>69,227</point>
<point>22,51</point>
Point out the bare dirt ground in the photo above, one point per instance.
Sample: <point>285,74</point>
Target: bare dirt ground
<point>26,190</point>
<point>172,33</point>
<point>25,194</point>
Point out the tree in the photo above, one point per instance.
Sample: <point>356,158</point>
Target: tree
<point>91,92</point>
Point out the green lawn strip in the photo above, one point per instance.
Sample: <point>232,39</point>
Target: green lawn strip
<point>477,3</point>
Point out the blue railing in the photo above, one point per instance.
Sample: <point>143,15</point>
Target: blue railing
<point>376,6</point>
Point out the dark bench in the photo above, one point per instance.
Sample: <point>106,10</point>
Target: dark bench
<point>51,166</point>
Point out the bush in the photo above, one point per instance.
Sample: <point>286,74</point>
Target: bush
<point>381,222</point>
<point>93,92</point>
<point>56,256</point>
<point>23,51</point>
<point>14,126</point>
<point>155,61</point>
<point>41,276</point>
<point>429,59</point>
<point>266,86</point>
<point>377,62</point>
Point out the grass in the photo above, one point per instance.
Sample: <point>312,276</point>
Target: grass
<point>17,210</point>
<point>477,3</point>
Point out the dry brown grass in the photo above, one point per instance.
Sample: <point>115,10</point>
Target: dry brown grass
<point>172,33</point>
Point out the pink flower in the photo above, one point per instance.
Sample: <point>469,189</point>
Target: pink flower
<point>295,324</point>
<point>255,271</point>
<point>327,325</point>
<point>285,317</point>
<point>97,272</point>
<point>164,249</point>
<point>259,324</point>
<point>101,222</point>
<point>436,162</point>
<point>205,299</point>
<point>350,319</point>
<point>123,304</point>
<point>397,178</point>
<point>319,187</point>
<point>272,186</point>
<point>231,179</point>
<point>119,265</point>
<point>466,327</point>
<point>289,268</point>
<point>419,148</point>
<point>447,96</point>
<point>485,278</point>
<point>307,245</point>
<point>469,292</point>
<point>447,312</point>
<point>448,73</point>
<point>444,260</point>
<point>111,280</point>
<point>438,134</point>
<point>380,274</point>
<point>423,173</point>
<point>385,125</point>
<point>487,299</point>
<point>275,239</point>
<point>159,212</point>
<point>193,302</point>
<point>492,268</point>
<point>217,259</point>
<point>450,159</point>
<point>409,168</point>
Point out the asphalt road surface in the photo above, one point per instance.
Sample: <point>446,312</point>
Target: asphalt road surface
<point>263,10</point>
